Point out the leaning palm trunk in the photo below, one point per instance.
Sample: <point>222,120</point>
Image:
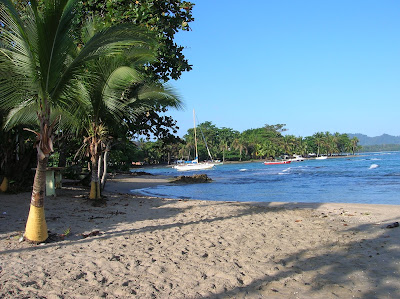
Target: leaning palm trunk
<point>100,167</point>
<point>105,161</point>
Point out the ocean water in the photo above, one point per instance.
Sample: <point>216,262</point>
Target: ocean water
<point>369,178</point>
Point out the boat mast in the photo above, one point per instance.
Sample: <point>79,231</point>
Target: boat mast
<point>195,137</point>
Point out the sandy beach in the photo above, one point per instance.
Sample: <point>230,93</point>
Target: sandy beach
<point>143,247</point>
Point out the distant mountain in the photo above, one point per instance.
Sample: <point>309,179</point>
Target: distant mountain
<point>378,140</point>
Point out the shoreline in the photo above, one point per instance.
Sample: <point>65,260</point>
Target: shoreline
<point>126,184</point>
<point>150,247</point>
<point>144,166</point>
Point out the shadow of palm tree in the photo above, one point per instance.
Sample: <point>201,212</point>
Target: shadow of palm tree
<point>368,267</point>
<point>360,260</point>
<point>133,208</point>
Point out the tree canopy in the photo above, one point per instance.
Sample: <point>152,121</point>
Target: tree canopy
<point>44,75</point>
<point>165,18</point>
<point>268,142</point>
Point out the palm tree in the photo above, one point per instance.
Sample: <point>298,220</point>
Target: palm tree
<point>319,141</point>
<point>354,141</point>
<point>289,142</point>
<point>39,65</point>
<point>115,93</point>
<point>223,146</point>
<point>240,144</point>
<point>268,149</point>
<point>301,146</point>
<point>328,143</point>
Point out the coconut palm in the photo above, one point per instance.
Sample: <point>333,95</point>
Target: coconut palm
<point>289,142</point>
<point>301,146</point>
<point>239,143</point>
<point>319,141</point>
<point>268,149</point>
<point>115,93</point>
<point>354,144</point>
<point>39,66</point>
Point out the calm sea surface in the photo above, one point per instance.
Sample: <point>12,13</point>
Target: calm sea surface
<point>371,178</point>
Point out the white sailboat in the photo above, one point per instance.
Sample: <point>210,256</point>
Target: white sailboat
<point>194,164</point>
<point>321,158</point>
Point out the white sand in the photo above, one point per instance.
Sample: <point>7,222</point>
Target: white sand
<point>163,248</point>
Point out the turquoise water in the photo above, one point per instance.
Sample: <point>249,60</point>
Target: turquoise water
<point>370,178</point>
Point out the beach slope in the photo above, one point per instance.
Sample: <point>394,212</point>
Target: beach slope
<point>142,247</point>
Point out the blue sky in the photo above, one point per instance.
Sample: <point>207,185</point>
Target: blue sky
<point>312,65</point>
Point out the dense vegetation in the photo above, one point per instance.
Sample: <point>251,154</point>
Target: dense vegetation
<point>377,140</point>
<point>380,148</point>
<point>88,117</point>
<point>268,142</point>
<point>83,75</point>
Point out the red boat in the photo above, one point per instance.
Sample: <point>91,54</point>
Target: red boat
<point>276,162</point>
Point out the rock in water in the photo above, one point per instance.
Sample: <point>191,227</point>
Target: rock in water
<point>196,178</point>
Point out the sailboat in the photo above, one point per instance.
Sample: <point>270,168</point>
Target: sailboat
<point>215,162</point>
<point>194,164</point>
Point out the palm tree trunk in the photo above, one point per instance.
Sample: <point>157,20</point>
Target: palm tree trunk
<point>94,184</point>
<point>105,162</point>
<point>100,166</point>
<point>104,176</point>
<point>36,227</point>
<point>4,185</point>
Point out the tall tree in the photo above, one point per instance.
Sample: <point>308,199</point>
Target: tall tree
<point>289,143</point>
<point>226,137</point>
<point>354,144</point>
<point>116,92</point>
<point>239,143</point>
<point>39,64</point>
<point>319,141</point>
<point>164,17</point>
<point>301,148</point>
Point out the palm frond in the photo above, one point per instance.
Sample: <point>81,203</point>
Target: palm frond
<point>55,39</point>
<point>16,56</point>
<point>108,42</point>
<point>159,95</point>
<point>113,92</point>
<point>40,66</point>
<point>69,121</point>
<point>74,105</point>
<point>138,56</point>
<point>25,113</point>
<point>12,13</point>
<point>14,88</point>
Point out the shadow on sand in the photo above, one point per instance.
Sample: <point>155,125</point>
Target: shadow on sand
<point>374,257</point>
